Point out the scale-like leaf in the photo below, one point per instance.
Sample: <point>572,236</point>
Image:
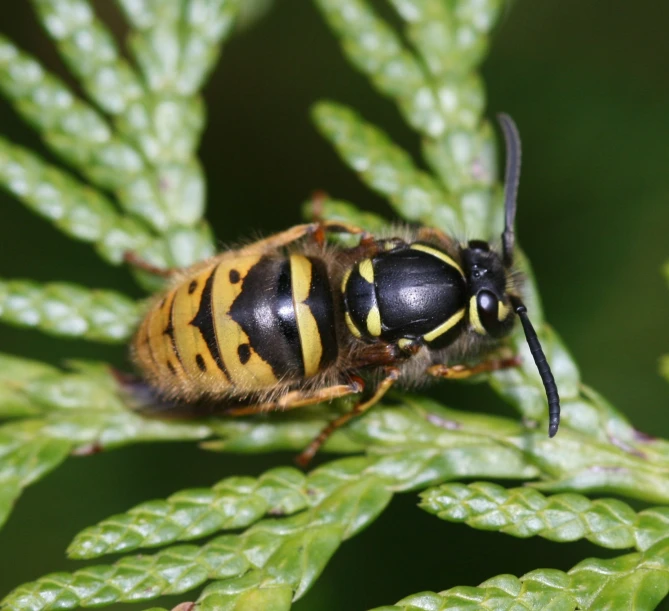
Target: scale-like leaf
<point>524,512</point>
<point>70,127</point>
<point>375,49</point>
<point>176,44</point>
<point>25,458</point>
<point>69,310</point>
<point>231,504</point>
<point>15,373</point>
<point>384,167</point>
<point>54,413</point>
<point>90,52</point>
<point>425,437</point>
<point>75,209</point>
<point>437,91</point>
<point>637,582</point>
<point>288,552</point>
<point>544,590</point>
<point>664,366</point>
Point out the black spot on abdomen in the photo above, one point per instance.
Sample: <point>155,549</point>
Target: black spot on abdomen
<point>244,353</point>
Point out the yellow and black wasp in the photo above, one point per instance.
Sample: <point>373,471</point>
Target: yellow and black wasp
<point>291,320</point>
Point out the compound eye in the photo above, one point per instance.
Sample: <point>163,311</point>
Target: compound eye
<point>488,307</point>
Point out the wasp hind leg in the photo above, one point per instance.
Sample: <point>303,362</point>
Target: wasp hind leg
<point>461,372</point>
<point>317,230</point>
<point>134,260</point>
<point>432,234</point>
<point>305,457</point>
<point>299,398</point>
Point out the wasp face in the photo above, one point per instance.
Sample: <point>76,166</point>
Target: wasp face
<point>489,309</point>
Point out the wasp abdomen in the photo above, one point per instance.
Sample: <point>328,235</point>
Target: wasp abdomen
<point>243,324</point>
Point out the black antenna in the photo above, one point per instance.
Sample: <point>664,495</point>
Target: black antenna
<point>511,180</point>
<point>542,365</point>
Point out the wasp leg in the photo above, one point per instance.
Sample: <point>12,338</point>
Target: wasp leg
<point>315,206</point>
<point>135,260</point>
<point>392,375</point>
<point>315,213</point>
<point>460,372</point>
<point>300,398</point>
<point>325,227</point>
<point>377,354</point>
<point>368,245</point>
<point>278,240</point>
<point>432,233</point>
<point>317,230</point>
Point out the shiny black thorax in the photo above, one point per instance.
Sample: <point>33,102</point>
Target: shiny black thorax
<point>419,294</point>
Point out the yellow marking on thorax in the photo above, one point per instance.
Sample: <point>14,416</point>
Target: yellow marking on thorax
<point>445,326</point>
<point>440,255</point>
<point>366,269</point>
<point>347,317</point>
<point>374,322</point>
<point>351,327</point>
<point>310,338</point>
<point>344,280</point>
<point>474,317</point>
<point>189,340</point>
<point>502,310</point>
<point>256,373</point>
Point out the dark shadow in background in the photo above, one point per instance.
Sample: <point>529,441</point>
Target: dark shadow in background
<point>587,84</point>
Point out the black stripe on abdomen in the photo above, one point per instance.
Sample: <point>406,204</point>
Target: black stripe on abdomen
<point>169,331</point>
<point>204,322</point>
<point>322,307</point>
<point>264,310</point>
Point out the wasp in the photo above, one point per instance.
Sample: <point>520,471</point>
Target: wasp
<point>292,320</point>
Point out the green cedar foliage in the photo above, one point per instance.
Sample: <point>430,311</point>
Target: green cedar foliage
<point>130,181</point>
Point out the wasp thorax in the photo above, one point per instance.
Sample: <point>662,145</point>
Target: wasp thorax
<point>414,292</point>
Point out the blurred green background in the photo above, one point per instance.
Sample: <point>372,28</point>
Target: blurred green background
<point>588,84</point>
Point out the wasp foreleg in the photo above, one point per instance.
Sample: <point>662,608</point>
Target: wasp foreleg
<point>461,372</point>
